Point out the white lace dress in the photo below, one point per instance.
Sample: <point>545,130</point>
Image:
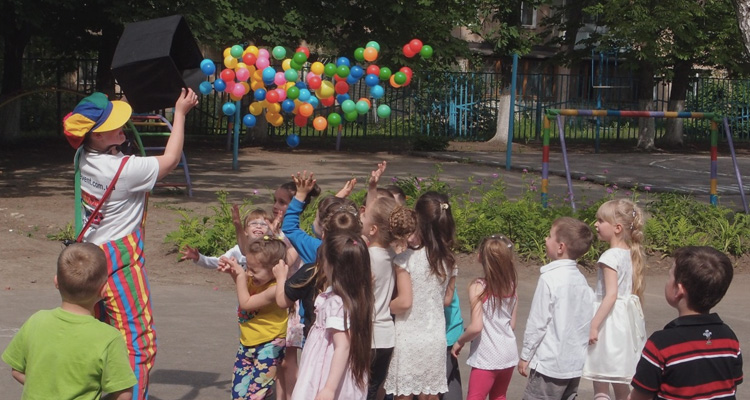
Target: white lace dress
<point>418,363</point>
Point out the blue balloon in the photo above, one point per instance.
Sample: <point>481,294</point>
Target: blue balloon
<point>351,80</point>
<point>377,92</point>
<point>371,80</point>
<point>343,61</point>
<point>314,101</point>
<point>356,71</point>
<point>304,95</point>
<point>229,108</point>
<point>301,85</point>
<point>249,120</point>
<point>268,74</point>
<point>205,87</point>
<point>292,140</point>
<point>260,94</point>
<point>287,105</point>
<point>220,85</point>
<point>342,98</point>
<point>208,67</point>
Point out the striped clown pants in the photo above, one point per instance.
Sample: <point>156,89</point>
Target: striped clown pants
<point>127,307</point>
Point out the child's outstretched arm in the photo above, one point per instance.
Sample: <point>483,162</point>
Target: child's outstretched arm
<point>280,272</point>
<point>372,185</point>
<point>608,301</point>
<point>476,324</point>
<point>246,301</point>
<point>305,244</point>
<point>347,189</point>
<point>239,229</point>
<point>403,300</point>
<point>173,150</point>
<point>338,366</point>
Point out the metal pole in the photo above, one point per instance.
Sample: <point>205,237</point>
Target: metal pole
<point>565,161</point>
<point>236,146</point>
<point>511,123</point>
<point>736,167</point>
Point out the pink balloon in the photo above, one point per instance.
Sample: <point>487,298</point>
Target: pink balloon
<point>263,53</point>
<point>262,62</point>
<point>242,74</point>
<point>282,94</point>
<point>279,79</point>
<point>310,75</point>
<point>238,90</point>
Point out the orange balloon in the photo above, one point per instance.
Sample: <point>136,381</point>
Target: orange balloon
<point>320,123</point>
<point>371,54</point>
<point>305,109</point>
<point>393,82</point>
<point>366,100</point>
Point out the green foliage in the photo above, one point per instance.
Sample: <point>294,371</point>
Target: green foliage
<point>213,234</point>
<point>66,233</point>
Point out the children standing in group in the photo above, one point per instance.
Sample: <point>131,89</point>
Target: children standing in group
<point>557,329</point>
<point>336,357</point>
<point>66,353</point>
<point>696,356</point>
<point>262,321</point>
<point>618,329</point>
<point>425,280</point>
<point>494,303</point>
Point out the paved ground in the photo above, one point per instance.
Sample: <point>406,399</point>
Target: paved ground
<point>195,317</point>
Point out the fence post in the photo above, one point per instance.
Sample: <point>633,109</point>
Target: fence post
<point>545,159</point>
<point>511,123</point>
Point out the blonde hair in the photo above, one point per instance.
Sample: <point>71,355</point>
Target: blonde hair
<point>81,272</point>
<point>258,213</point>
<point>394,222</point>
<point>268,250</point>
<point>628,215</point>
<point>501,280</point>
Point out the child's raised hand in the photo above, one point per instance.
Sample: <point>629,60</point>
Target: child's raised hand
<point>236,220</point>
<point>376,174</point>
<point>456,349</point>
<point>347,189</point>
<point>280,271</point>
<point>231,266</point>
<point>187,100</point>
<point>276,222</point>
<point>189,253</point>
<point>304,183</point>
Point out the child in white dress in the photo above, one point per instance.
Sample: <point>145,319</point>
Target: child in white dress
<point>618,330</point>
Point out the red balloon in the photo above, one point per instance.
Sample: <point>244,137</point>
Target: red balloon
<point>249,58</point>
<point>300,120</point>
<point>342,87</point>
<point>416,45</point>
<point>327,102</point>
<point>407,71</point>
<point>408,51</point>
<point>304,50</point>
<point>314,82</point>
<point>272,96</point>
<point>373,69</point>
<point>227,75</point>
<point>339,79</point>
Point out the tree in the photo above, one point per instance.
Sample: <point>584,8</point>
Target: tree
<point>742,9</point>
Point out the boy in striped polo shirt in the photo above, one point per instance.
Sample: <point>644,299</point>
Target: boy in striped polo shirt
<point>696,356</point>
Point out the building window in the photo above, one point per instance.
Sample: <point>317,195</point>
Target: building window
<point>528,15</point>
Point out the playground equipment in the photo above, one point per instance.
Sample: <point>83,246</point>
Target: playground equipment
<point>714,118</point>
<point>158,126</point>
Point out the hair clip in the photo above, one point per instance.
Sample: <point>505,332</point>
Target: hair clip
<point>633,213</point>
<point>444,206</point>
<point>503,238</point>
<point>269,238</point>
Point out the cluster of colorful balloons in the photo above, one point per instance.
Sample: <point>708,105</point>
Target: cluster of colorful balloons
<point>414,47</point>
<point>292,92</point>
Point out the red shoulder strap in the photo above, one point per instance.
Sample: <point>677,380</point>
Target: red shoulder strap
<point>103,199</point>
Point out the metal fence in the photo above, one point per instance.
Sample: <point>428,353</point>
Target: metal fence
<point>459,105</point>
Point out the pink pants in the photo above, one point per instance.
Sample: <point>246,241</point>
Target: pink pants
<point>492,382</point>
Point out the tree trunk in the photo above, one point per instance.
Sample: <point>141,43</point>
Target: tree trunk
<point>646,126</point>
<point>682,69</point>
<point>105,82</point>
<point>742,8</point>
<point>16,40</point>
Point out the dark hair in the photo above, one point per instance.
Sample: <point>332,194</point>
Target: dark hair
<point>436,231</point>
<point>332,204</point>
<point>575,234</point>
<point>268,250</point>
<point>501,280</point>
<point>346,254</point>
<point>81,272</point>
<point>292,188</point>
<point>705,273</point>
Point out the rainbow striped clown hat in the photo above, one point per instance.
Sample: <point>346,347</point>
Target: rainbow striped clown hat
<point>95,113</point>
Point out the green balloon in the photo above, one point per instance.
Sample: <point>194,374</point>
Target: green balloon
<point>426,51</point>
<point>334,119</point>
<point>374,44</point>
<point>342,71</point>
<point>385,73</point>
<point>279,52</point>
<point>362,107</point>
<point>359,54</point>
<point>299,57</point>
<point>292,92</point>
<point>348,106</point>
<point>384,111</point>
<point>295,65</point>
<point>399,77</point>
<point>351,116</point>
<point>236,51</point>
<point>330,70</point>
<point>291,75</point>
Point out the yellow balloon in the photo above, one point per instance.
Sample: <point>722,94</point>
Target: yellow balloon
<point>246,86</point>
<point>317,68</point>
<point>230,62</point>
<point>255,108</point>
<point>240,64</point>
<point>252,70</point>
<point>252,49</point>
<point>278,121</point>
<point>227,52</point>
<point>233,97</point>
<point>286,64</point>
<point>255,85</point>
<point>274,108</point>
<point>288,85</point>
<point>325,90</point>
<point>257,75</point>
